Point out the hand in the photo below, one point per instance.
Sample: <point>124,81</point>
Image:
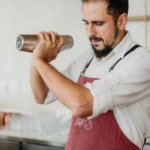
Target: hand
<point>47,48</point>
<point>54,57</point>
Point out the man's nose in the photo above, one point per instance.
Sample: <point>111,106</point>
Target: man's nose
<point>91,31</point>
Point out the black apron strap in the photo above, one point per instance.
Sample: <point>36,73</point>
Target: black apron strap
<point>87,65</point>
<point>85,68</point>
<point>131,50</point>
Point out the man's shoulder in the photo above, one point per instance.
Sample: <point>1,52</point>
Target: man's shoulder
<point>139,58</point>
<point>140,51</point>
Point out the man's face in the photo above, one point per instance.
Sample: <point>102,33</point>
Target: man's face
<point>100,27</point>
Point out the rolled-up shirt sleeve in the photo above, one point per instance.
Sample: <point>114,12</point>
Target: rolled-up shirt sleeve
<point>126,84</point>
<point>101,91</point>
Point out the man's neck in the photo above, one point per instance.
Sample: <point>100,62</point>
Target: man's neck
<point>120,37</point>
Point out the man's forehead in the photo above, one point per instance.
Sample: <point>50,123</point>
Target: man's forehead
<point>95,9</point>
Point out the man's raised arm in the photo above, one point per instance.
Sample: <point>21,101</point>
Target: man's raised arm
<point>39,88</point>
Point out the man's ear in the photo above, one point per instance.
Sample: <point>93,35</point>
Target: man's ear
<point>122,21</point>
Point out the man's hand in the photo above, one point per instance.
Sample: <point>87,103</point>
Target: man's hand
<point>47,49</point>
<point>53,58</point>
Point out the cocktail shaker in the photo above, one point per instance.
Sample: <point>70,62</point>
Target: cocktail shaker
<point>28,43</point>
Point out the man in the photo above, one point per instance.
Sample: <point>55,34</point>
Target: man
<point>115,98</point>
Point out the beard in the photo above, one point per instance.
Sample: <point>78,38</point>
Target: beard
<point>107,48</point>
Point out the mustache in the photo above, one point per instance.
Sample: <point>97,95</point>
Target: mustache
<point>95,39</point>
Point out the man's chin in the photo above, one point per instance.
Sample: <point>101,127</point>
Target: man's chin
<point>98,48</point>
<point>101,52</point>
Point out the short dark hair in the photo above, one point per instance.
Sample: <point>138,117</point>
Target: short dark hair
<point>115,7</point>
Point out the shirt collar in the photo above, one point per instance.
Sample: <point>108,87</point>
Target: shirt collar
<point>123,46</point>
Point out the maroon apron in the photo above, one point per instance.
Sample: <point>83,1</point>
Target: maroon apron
<point>100,133</point>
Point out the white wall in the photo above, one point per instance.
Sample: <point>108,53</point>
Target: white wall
<point>137,29</point>
<point>29,17</point>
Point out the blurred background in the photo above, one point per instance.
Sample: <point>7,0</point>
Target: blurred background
<point>61,16</point>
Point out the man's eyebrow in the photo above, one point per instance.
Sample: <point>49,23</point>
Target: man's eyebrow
<point>84,20</point>
<point>96,21</point>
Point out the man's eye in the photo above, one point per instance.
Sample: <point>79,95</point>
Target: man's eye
<point>86,23</point>
<point>99,24</point>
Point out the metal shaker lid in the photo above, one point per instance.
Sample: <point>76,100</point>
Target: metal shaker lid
<point>19,42</point>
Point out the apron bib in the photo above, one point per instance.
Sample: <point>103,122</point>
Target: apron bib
<point>100,133</point>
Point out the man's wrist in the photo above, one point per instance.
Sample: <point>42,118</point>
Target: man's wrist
<point>35,59</point>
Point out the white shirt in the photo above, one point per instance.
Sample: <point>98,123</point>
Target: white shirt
<point>125,90</point>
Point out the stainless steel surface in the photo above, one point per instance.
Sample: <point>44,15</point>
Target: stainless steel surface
<point>9,145</point>
<point>41,129</point>
<point>29,146</point>
<point>146,147</point>
<point>35,128</point>
<point>34,141</point>
<point>28,43</point>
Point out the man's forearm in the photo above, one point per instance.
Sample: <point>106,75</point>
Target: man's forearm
<point>72,95</point>
<point>39,88</point>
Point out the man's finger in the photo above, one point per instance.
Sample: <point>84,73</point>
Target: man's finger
<point>56,33</point>
<point>47,36</point>
<point>54,57</point>
<point>41,35</point>
<point>53,37</point>
<point>61,42</point>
